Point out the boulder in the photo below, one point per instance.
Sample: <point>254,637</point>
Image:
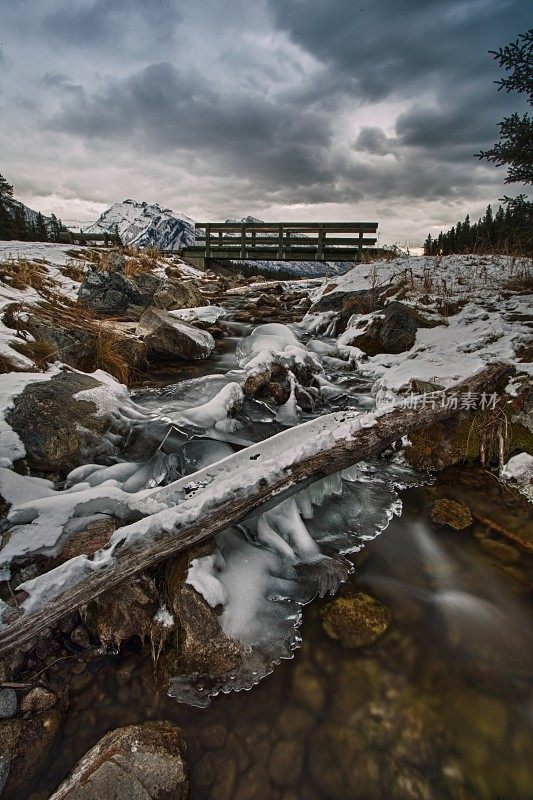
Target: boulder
<point>167,337</point>
<point>111,292</point>
<point>61,432</point>
<point>174,294</point>
<point>70,342</point>
<point>25,746</point>
<point>362,301</point>
<point>451,513</point>
<point>139,762</point>
<point>357,620</point>
<point>391,331</point>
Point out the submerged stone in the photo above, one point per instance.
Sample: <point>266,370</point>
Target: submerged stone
<point>356,620</point>
<point>500,550</point>
<point>451,513</point>
<point>38,699</point>
<point>341,765</point>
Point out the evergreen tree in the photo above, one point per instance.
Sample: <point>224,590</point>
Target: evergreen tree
<point>515,148</point>
<point>509,230</point>
<point>31,232</point>
<point>6,190</point>
<point>6,220</point>
<point>54,228</point>
<point>41,232</point>
<point>20,225</point>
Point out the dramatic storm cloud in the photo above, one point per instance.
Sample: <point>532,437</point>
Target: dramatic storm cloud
<point>314,109</point>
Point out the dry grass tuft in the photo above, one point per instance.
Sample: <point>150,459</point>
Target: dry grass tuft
<point>521,281</point>
<point>41,352</point>
<point>112,354</point>
<point>22,274</point>
<point>143,262</point>
<point>7,365</point>
<point>73,270</point>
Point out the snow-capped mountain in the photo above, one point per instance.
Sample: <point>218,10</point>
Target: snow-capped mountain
<point>146,225</point>
<point>149,225</point>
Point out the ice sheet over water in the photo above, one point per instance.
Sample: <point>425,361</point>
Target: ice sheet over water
<point>263,572</point>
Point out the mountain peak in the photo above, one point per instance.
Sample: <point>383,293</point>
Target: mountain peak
<point>146,225</point>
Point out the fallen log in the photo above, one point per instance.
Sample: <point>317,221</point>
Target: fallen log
<point>229,492</point>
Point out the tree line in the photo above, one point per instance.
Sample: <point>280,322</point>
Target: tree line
<point>14,224</point>
<point>509,230</point>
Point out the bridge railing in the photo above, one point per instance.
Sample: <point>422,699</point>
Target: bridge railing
<point>283,241</point>
<point>71,237</point>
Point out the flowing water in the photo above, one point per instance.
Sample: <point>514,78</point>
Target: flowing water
<point>440,707</point>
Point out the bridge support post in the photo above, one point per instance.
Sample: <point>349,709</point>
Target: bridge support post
<point>320,248</point>
<point>280,242</point>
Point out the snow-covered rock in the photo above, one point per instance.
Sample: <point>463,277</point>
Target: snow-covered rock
<point>168,337</point>
<point>519,470</point>
<point>61,423</point>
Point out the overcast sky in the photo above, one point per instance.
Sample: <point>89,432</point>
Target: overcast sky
<point>284,109</point>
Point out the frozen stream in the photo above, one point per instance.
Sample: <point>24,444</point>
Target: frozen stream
<point>439,708</point>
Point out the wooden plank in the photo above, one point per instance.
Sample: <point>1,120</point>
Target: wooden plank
<point>271,253</point>
<point>260,240</point>
<point>222,509</point>
<point>331,227</point>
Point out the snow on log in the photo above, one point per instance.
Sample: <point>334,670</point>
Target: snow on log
<point>195,508</point>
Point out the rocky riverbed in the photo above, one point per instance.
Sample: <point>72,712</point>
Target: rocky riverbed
<point>410,682</point>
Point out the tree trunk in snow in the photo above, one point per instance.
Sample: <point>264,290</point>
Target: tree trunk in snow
<point>228,502</point>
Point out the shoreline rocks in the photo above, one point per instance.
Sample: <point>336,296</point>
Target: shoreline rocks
<point>138,762</point>
<point>112,292</point>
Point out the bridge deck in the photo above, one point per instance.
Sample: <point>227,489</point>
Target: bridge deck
<point>283,241</point>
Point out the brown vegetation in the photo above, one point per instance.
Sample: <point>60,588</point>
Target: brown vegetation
<point>23,274</point>
<point>113,354</point>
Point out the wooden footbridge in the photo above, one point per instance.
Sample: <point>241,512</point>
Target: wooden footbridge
<point>282,241</point>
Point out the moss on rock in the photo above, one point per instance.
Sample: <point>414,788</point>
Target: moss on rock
<point>451,513</point>
<point>356,620</point>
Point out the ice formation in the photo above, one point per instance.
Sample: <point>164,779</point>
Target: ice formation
<point>184,452</point>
